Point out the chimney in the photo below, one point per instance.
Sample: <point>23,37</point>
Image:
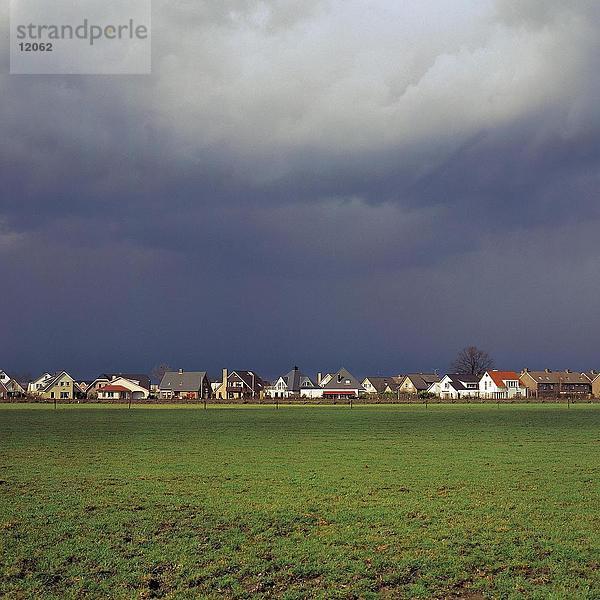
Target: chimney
<point>547,371</point>
<point>181,371</point>
<point>568,371</point>
<point>525,370</point>
<point>319,377</point>
<point>224,379</point>
<point>295,368</point>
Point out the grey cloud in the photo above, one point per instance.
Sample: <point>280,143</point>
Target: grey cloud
<point>290,169</point>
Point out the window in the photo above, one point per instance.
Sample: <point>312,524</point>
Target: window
<point>64,394</point>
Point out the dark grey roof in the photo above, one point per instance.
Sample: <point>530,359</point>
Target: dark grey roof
<point>295,380</point>
<point>458,380</point>
<point>338,381</point>
<point>186,381</point>
<point>250,379</point>
<point>422,381</point>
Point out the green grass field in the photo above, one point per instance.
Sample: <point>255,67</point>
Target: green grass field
<point>387,501</point>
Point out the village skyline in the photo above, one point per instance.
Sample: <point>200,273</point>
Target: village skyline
<point>472,375</point>
<point>272,373</point>
<point>310,183</point>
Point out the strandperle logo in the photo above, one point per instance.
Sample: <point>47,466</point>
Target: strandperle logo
<point>86,32</point>
<point>83,37</point>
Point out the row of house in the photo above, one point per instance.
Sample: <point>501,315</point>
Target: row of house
<point>248,385</point>
<point>62,386</point>
<point>493,384</point>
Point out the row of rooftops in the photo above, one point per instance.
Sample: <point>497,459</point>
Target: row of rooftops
<point>567,376</point>
<point>295,380</point>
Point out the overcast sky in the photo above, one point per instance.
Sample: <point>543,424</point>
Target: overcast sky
<point>312,182</point>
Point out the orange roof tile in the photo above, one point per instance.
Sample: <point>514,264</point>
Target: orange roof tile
<point>500,376</point>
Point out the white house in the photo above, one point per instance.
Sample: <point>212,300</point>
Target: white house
<point>311,391</point>
<point>112,391</point>
<point>35,386</point>
<point>138,384</point>
<point>290,384</point>
<point>501,385</point>
<point>137,391</point>
<point>381,385</point>
<point>435,388</point>
<point>342,385</point>
<point>10,388</point>
<point>457,386</point>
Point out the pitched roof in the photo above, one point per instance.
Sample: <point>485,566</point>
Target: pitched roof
<point>295,380</point>
<point>458,380</point>
<point>499,377</point>
<point>184,381</point>
<point>12,385</point>
<point>381,383</point>
<point>250,378</point>
<point>144,380</point>
<point>422,381</point>
<point>42,378</point>
<point>50,383</point>
<point>558,377</point>
<point>339,379</point>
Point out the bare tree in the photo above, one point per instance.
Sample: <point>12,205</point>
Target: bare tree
<point>472,361</point>
<point>159,371</point>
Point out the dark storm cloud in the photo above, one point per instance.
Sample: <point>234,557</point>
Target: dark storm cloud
<point>313,183</point>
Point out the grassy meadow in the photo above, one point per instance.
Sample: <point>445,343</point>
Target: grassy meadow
<point>450,501</point>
